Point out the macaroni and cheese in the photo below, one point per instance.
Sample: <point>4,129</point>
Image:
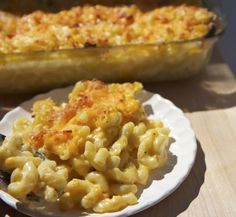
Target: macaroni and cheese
<point>98,25</point>
<point>91,153</point>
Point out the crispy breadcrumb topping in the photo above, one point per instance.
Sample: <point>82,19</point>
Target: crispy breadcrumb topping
<point>98,25</point>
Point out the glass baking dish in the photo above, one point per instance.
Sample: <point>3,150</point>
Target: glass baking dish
<point>43,70</point>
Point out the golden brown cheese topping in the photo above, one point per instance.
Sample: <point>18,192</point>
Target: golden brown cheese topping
<point>91,103</point>
<point>101,26</point>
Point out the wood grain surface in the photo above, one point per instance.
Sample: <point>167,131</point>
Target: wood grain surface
<point>209,101</point>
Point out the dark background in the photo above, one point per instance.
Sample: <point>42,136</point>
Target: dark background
<point>227,44</point>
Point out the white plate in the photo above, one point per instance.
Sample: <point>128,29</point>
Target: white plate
<point>162,181</point>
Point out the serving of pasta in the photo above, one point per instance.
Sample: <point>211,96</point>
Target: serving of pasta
<point>91,153</point>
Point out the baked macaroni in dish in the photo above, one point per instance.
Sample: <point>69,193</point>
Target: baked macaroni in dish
<point>89,26</point>
<point>110,43</point>
<point>91,153</point>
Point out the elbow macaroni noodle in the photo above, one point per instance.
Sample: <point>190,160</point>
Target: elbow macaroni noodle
<point>97,149</point>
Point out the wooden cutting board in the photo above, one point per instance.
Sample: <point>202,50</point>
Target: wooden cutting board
<point>209,101</point>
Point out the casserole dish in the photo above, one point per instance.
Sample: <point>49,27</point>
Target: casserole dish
<point>146,62</point>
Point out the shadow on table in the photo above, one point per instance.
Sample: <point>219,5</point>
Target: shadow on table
<point>8,102</point>
<point>180,200</point>
<point>213,88</point>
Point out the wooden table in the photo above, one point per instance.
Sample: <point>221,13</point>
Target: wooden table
<point>209,101</point>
